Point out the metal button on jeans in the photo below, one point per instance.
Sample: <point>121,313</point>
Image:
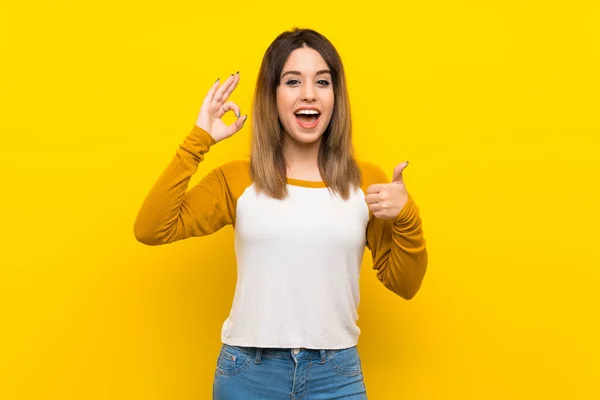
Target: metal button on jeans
<point>296,351</point>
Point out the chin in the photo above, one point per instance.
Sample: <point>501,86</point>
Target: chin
<point>306,137</point>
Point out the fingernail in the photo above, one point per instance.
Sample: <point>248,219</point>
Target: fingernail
<point>217,80</point>
<point>237,73</point>
<point>231,74</point>
<point>238,114</point>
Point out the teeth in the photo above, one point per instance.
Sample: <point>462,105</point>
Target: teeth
<point>307,112</point>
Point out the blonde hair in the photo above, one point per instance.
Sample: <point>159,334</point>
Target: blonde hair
<point>336,161</point>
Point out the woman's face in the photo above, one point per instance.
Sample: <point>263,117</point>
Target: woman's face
<point>305,96</point>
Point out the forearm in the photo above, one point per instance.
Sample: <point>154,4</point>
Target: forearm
<point>163,214</point>
<point>405,267</point>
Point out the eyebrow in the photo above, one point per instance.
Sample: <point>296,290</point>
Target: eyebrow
<point>323,71</point>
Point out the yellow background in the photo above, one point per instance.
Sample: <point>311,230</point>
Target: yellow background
<point>495,104</point>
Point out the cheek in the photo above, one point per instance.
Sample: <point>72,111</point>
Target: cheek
<point>329,100</point>
<point>330,106</point>
<point>283,103</point>
<point>278,100</point>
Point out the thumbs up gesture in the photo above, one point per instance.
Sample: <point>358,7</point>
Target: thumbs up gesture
<point>386,200</point>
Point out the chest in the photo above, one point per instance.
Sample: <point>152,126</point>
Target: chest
<point>312,216</point>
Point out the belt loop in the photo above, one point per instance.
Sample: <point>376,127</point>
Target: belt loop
<point>323,356</point>
<point>258,355</point>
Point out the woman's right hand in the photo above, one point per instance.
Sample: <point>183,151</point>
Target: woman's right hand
<point>215,105</point>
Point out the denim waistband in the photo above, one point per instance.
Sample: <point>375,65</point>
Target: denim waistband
<point>299,352</point>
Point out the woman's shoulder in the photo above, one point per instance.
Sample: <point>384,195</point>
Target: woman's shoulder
<point>236,175</point>
<point>371,173</point>
<point>236,168</point>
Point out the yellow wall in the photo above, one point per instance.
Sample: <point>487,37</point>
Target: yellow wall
<point>495,104</point>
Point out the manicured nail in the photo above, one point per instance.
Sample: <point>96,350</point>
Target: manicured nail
<point>217,80</point>
<point>238,114</point>
<point>237,73</point>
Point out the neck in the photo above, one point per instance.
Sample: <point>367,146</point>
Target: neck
<point>301,159</point>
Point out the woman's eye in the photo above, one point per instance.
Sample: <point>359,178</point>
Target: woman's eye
<point>293,82</point>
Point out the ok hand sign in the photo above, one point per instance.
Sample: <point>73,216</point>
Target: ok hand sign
<point>215,105</point>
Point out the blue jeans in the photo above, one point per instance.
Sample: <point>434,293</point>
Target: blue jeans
<point>248,373</point>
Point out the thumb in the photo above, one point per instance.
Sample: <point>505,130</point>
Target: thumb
<point>397,178</point>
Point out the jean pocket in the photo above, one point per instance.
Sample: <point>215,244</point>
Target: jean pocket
<point>232,360</point>
<point>346,361</point>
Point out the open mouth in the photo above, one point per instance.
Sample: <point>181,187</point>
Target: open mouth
<point>307,118</point>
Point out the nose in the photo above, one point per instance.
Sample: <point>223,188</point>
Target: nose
<point>308,93</point>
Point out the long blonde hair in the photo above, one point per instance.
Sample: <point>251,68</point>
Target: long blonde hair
<point>336,161</point>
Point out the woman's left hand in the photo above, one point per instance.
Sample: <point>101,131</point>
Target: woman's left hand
<point>386,200</point>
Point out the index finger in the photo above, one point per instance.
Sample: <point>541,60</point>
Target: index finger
<point>375,188</point>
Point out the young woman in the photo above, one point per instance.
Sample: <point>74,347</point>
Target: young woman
<point>303,210</point>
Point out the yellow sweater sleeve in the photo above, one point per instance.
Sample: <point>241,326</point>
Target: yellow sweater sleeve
<point>171,212</point>
<point>398,246</point>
